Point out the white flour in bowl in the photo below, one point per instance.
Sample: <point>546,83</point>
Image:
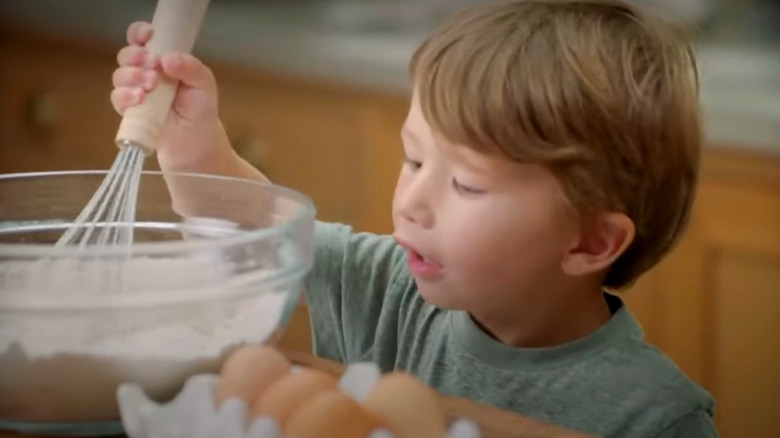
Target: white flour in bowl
<point>66,365</point>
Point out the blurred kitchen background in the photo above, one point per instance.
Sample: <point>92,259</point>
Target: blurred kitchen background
<point>313,92</point>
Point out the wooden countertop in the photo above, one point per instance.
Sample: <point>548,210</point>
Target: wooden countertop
<point>493,422</point>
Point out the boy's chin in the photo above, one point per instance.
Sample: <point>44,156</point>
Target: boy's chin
<point>440,297</point>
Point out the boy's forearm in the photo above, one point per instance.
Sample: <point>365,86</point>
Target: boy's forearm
<point>218,158</point>
<point>230,163</point>
<point>240,168</point>
<point>200,196</point>
<point>241,198</point>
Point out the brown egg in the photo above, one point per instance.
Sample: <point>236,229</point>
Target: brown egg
<point>330,414</point>
<point>248,371</point>
<point>406,407</point>
<point>288,393</point>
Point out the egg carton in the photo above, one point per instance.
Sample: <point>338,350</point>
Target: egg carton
<point>193,412</point>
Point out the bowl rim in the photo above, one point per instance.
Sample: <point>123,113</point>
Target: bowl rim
<point>307,213</point>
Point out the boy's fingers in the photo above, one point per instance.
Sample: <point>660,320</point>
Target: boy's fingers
<point>135,77</point>
<point>139,33</point>
<point>188,69</point>
<point>134,56</point>
<point>125,97</point>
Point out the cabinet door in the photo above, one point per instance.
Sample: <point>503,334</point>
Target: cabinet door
<point>297,335</point>
<point>381,154</point>
<point>301,137</point>
<point>714,305</point>
<point>55,111</point>
<point>741,258</point>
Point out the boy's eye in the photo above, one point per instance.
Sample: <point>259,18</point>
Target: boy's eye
<point>468,190</point>
<point>413,164</point>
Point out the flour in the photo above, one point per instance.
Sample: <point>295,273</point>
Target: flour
<point>65,365</point>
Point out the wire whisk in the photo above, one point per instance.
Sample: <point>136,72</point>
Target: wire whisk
<point>109,216</point>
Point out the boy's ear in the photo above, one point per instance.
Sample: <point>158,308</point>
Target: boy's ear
<point>599,245</point>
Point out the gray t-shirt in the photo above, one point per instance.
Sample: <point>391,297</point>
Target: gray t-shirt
<point>365,306</point>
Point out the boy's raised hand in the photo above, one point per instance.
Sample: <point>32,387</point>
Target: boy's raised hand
<point>193,139</point>
<point>138,73</point>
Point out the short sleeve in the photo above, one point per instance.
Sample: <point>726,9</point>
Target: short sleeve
<point>346,289</point>
<point>698,424</point>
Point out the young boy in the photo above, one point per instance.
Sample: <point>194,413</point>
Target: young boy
<point>551,155</point>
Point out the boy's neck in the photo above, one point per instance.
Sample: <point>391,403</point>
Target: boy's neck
<point>549,323</point>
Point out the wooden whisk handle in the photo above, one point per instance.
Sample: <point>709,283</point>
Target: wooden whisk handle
<point>176,24</point>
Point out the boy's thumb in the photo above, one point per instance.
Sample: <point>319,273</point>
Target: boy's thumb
<point>188,70</point>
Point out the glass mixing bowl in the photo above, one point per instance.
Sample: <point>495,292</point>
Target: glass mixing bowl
<point>216,263</point>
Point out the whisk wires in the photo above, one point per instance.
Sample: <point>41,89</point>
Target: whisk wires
<point>109,216</point>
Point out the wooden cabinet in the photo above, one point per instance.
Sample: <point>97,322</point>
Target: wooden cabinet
<point>378,154</point>
<point>340,146</point>
<point>381,154</point>
<point>300,136</point>
<point>55,112</point>
<point>714,305</point>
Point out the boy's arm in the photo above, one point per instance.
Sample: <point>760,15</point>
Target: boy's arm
<point>352,279</point>
<point>698,424</point>
<point>193,197</point>
<point>193,139</point>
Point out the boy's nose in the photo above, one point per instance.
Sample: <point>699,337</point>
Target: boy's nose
<point>415,206</point>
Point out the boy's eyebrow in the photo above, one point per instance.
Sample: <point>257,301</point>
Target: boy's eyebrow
<point>479,162</point>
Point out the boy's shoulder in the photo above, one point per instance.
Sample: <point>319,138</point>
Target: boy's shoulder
<point>641,376</point>
<point>641,367</point>
<point>611,383</point>
<point>635,380</point>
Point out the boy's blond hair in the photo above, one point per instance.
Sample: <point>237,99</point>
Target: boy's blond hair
<point>604,97</point>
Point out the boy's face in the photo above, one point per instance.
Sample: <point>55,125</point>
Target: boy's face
<point>483,233</point>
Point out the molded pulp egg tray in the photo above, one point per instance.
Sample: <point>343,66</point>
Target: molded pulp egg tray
<point>193,414</point>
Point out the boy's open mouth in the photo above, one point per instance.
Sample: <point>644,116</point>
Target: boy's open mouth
<point>417,257</point>
<point>420,265</point>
